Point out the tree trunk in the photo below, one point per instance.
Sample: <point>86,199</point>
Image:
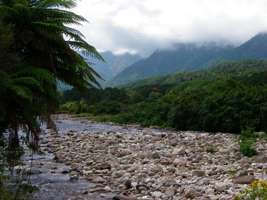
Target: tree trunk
<point>51,124</point>
<point>13,140</point>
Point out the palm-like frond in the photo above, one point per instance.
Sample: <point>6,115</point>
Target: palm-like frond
<point>42,27</point>
<point>54,3</point>
<point>43,48</point>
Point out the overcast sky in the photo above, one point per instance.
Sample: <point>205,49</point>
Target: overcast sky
<point>142,26</point>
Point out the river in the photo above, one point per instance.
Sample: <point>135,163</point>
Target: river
<point>102,157</point>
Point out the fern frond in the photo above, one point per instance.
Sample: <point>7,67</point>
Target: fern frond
<point>55,3</point>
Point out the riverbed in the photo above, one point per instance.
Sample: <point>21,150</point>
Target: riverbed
<point>98,161</point>
<point>56,180</point>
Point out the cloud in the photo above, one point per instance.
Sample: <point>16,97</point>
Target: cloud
<point>143,26</point>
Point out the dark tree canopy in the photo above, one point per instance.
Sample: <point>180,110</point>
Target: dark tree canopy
<point>39,47</point>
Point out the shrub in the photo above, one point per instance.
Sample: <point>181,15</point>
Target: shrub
<point>256,191</point>
<point>247,141</point>
<point>248,133</point>
<point>246,148</point>
<point>75,107</point>
<point>71,107</point>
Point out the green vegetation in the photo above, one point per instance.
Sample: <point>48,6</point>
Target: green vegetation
<point>247,141</point>
<point>228,97</point>
<point>256,191</point>
<point>13,187</point>
<point>38,49</point>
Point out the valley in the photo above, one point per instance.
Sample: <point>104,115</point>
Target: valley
<point>133,100</point>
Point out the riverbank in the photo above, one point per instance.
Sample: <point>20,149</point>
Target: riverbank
<point>145,163</point>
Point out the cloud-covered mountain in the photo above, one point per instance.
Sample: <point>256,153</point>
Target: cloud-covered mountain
<point>145,25</point>
<point>113,65</point>
<point>190,57</point>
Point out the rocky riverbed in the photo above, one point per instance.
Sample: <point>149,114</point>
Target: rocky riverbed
<point>56,180</point>
<point>128,162</point>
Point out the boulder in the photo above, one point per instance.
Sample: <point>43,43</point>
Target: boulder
<point>103,166</point>
<point>179,151</point>
<point>221,187</point>
<point>248,179</point>
<point>199,173</point>
<point>261,159</point>
<point>156,194</point>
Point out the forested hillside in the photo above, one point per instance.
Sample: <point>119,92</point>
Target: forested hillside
<point>222,69</point>
<point>228,97</point>
<point>191,57</point>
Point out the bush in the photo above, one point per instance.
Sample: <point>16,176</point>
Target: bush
<point>75,107</point>
<point>247,141</point>
<point>248,133</point>
<point>246,148</point>
<point>256,191</point>
<point>71,107</point>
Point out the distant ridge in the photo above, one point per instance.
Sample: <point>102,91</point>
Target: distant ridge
<point>190,57</point>
<point>114,64</point>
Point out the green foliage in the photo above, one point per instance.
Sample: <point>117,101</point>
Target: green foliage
<point>246,148</point>
<point>94,101</point>
<point>12,187</point>
<point>23,192</point>
<point>226,69</point>
<point>247,141</point>
<point>38,48</point>
<point>226,105</point>
<point>225,98</point>
<point>5,194</point>
<point>256,191</point>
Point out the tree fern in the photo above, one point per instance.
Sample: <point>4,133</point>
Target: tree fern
<point>39,48</point>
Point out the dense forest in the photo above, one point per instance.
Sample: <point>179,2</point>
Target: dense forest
<point>228,97</point>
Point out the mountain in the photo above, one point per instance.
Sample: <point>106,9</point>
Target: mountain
<point>114,64</point>
<point>256,48</point>
<point>190,57</point>
<point>220,70</point>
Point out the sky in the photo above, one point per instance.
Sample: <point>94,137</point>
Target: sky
<point>142,26</point>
